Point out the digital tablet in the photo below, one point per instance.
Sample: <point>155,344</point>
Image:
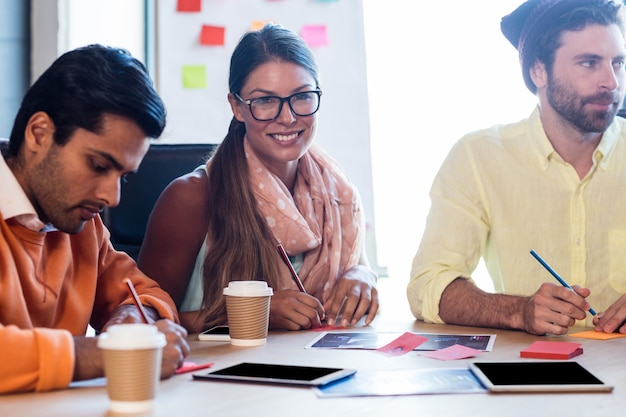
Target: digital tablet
<point>277,374</point>
<point>537,377</point>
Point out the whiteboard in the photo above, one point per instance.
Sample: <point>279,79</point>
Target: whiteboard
<point>203,114</point>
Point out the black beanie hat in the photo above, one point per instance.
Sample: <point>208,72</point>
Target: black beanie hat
<point>526,23</point>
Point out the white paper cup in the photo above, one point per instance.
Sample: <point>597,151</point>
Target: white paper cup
<point>248,310</point>
<point>132,365</point>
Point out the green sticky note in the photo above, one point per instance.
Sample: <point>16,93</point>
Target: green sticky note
<point>194,76</point>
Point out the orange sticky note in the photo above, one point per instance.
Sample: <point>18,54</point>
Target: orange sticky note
<point>543,349</point>
<point>189,5</point>
<point>212,35</point>
<point>258,24</point>
<point>315,35</point>
<point>592,334</point>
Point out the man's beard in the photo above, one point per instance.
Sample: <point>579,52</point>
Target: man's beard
<point>571,106</point>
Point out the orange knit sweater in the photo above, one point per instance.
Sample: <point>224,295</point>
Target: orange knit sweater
<point>52,286</point>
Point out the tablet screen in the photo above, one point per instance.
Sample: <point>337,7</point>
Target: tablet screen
<point>281,374</point>
<point>537,376</point>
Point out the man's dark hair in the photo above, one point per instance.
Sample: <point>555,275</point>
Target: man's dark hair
<point>84,84</point>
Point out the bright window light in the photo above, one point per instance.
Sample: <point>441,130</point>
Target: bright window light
<point>436,70</point>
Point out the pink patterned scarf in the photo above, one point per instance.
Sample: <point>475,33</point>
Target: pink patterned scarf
<point>323,219</point>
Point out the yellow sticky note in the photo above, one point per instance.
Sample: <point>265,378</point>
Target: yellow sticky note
<point>194,76</point>
<point>259,24</point>
<point>592,334</point>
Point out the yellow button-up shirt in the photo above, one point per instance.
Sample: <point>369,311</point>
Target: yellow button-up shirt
<point>504,191</point>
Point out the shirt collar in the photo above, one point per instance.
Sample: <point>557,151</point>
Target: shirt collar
<point>608,142</point>
<point>14,202</point>
<point>600,155</point>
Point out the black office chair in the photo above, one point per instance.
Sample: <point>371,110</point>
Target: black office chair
<point>4,146</point>
<point>163,163</point>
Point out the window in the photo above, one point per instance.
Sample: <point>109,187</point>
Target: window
<point>436,70</point>
<point>118,23</point>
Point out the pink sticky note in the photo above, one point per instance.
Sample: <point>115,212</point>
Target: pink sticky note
<point>327,327</point>
<point>212,35</point>
<point>545,349</point>
<point>453,352</point>
<point>403,344</point>
<point>315,35</point>
<point>192,366</point>
<point>188,5</point>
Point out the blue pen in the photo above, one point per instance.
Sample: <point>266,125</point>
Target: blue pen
<point>555,275</point>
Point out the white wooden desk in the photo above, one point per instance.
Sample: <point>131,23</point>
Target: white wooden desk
<point>181,396</point>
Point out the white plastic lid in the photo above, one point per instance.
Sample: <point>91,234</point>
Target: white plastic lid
<point>248,289</point>
<point>131,336</point>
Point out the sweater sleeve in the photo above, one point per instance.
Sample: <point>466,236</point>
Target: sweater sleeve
<point>111,291</point>
<point>35,359</point>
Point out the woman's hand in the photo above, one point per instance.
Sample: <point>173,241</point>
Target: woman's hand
<point>353,296</point>
<point>295,310</point>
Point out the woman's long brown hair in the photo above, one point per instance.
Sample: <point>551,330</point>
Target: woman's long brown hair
<point>240,244</point>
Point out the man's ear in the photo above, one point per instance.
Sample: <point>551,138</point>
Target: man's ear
<point>39,132</point>
<point>539,74</point>
<point>235,107</point>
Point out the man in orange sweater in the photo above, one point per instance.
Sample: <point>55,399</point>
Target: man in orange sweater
<point>84,125</point>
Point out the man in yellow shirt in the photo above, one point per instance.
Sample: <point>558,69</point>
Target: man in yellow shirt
<point>554,182</point>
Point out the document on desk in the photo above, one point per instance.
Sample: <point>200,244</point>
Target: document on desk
<point>367,383</point>
<point>375,340</point>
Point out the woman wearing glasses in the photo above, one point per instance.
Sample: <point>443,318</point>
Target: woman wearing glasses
<point>267,184</point>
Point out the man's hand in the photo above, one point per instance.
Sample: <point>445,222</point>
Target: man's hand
<point>613,319</point>
<point>88,356</point>
<point>128,313</point>
<point>554,309</point>
<point>176,348</point>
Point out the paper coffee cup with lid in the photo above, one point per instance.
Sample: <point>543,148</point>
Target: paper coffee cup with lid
<point>248,310</point>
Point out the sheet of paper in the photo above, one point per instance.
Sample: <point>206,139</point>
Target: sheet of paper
<point>404,382</point>
<point>375,340</point>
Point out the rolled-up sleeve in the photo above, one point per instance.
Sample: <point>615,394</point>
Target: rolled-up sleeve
<point>454,237</point>
<point>35,359</point>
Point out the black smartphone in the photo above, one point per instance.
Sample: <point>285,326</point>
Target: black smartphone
<point>215,334</point>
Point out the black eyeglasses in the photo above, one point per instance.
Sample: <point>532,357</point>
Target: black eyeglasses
<point>263,109</point>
